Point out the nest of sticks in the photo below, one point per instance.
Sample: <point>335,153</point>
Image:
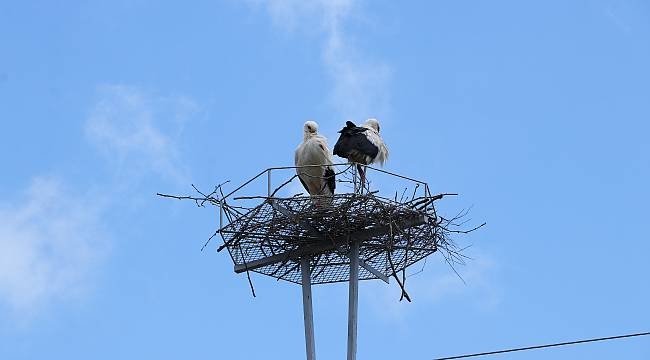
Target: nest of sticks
<point>271,236</point>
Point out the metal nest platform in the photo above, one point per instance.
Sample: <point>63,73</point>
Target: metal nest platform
<point>271,234</point>
<point>272,237</point>
<point>357,234</point>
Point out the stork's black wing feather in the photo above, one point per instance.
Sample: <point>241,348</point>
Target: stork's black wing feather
<point>350,128</point>
<point>353,141</point>
<point>330,178</point>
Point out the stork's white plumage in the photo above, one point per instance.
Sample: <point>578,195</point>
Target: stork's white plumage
<point>362,144</point>
<point>373,135</point>
<point>317,180</point>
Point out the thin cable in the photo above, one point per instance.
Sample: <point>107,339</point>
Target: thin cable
<point>544,346</point>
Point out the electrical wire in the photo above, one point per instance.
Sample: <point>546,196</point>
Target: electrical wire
<point>543,346</point>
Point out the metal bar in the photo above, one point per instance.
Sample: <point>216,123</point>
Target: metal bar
<point>398,175</point>
<point>399,247</point>
<point>345,164</point>
<point>258,236</point>
<point>308,312</point>
<point>373,271</point>
<point>305,166</point>
<point>321,246</point>
<point>242,185</point>
<point>268,184</point>
<point>274,168</point>
<point>353,300</point>
<point>221,227</point>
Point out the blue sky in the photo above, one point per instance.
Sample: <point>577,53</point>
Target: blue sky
<point>537,113</point>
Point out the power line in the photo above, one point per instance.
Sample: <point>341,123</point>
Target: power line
<point>543,346</point>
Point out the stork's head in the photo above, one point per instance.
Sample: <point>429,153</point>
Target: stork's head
<point>373,124</point>
<point>310,129</point>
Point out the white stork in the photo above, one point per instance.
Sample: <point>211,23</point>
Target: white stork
<point>362,144</point>
<point>319,179</point>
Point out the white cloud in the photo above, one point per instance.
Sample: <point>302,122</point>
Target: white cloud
<point>139,131</point>
<point>52,238</point>
<point>437,283</point>
<point>294,14</point>
<point>360,85</point>
<point>50,242</point>
<point>476,274</point>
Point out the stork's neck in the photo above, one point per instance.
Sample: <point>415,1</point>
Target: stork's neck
<point>307,135</point>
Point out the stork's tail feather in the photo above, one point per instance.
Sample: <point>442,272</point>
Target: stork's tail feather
<point>330,179</point>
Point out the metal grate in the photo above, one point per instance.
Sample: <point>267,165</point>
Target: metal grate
<point>285,225</point>
<point>269,234</point>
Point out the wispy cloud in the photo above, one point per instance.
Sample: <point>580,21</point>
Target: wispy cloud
<point>360,84</point>
<point>617,20</point>
<point>437,284</point>
<point>53,237</point>
<point>51,240</point>
<point>138,131</point>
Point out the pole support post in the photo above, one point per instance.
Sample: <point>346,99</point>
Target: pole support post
<point>353,300</point>
<point>308,312</point>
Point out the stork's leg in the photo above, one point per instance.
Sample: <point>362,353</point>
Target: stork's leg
<point>362,174</point>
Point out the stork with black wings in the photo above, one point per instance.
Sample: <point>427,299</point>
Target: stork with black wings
<point>362,145</point>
